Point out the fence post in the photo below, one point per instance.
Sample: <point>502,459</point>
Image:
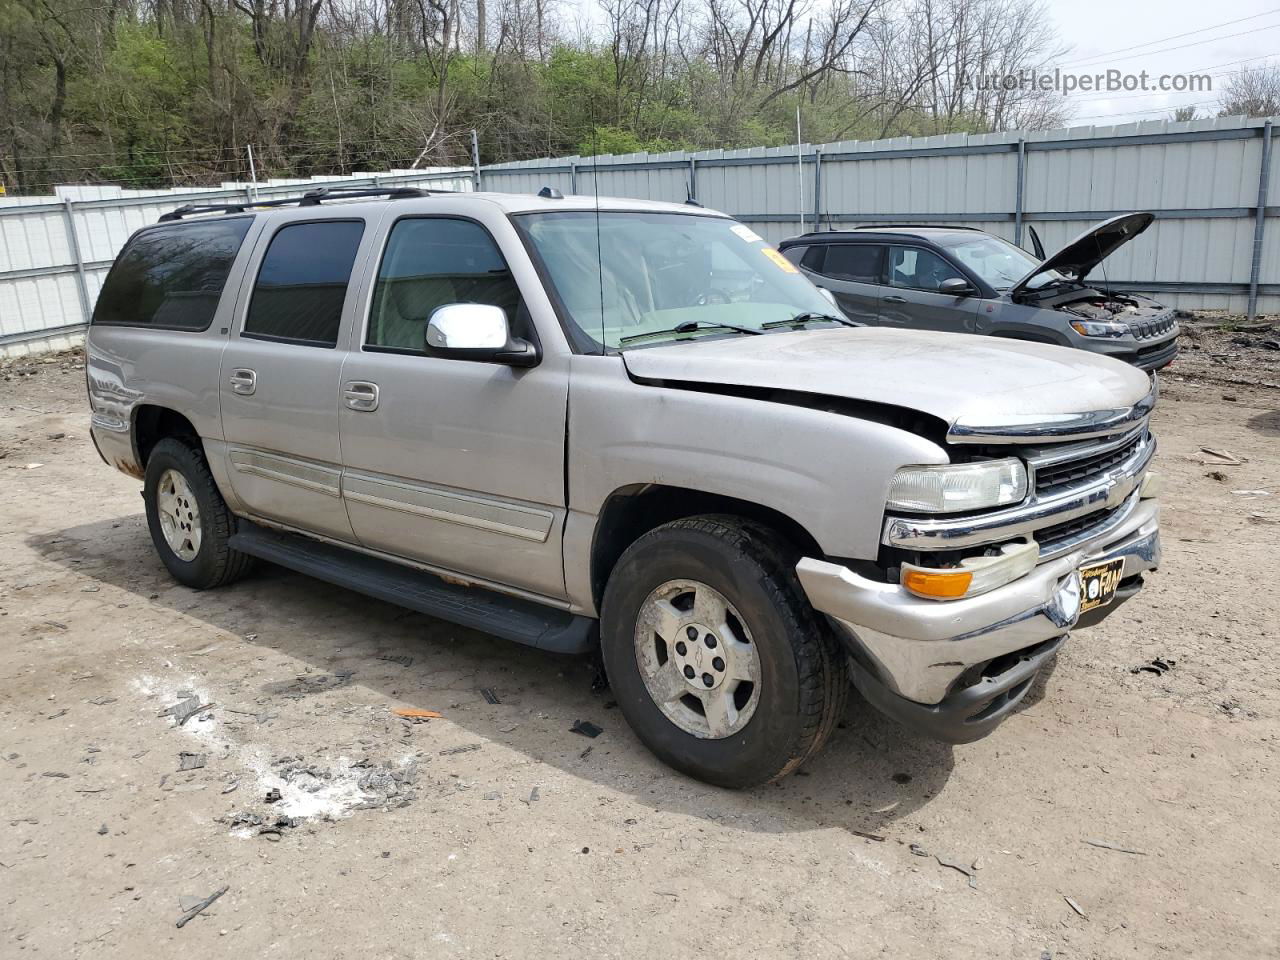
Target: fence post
<point>573,176</point>
<point>817,190</point>
<point>1017,197</point>
<point>693,179</point>
<point>1260,220</point>
<point>82,281</point>
<point>475,159</point>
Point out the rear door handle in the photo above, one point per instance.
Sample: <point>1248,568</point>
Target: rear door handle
<point>360,395</point>
<point>244,381</point>
<point>895,299</point>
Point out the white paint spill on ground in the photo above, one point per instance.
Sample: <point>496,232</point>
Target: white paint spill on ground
<point>329,797</point>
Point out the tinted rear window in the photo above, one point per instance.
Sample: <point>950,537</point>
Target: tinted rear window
<point>172,276</point>
<point>303,282</point>
<point>847,261</point>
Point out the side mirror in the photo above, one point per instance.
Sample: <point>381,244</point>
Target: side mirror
<point>477,331</point>
<point>956,287</point>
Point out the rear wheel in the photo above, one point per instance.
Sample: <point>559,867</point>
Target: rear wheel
<point>717,660</point>
<point>189,521</point>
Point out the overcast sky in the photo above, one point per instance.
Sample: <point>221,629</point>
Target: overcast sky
<point>1122,34</point>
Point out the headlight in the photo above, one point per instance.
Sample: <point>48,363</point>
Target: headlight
<point>1096,328</point>
<point>952,488</point>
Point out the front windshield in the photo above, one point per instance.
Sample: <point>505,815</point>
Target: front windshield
<point>636,273</point>
<point>999,262</point>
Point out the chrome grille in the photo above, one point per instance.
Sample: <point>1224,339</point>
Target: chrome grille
<point>1051,478</point>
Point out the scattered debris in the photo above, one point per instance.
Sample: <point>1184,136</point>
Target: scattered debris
<point>887,807</point>
<point>1111,846</point>
<point>1217,475</point>
<point>1158,666</point>
<point>1252,494</point>
<point>585,753</point>
<point>1074,906</point>
<point>201,907</point>
<point>417,715</point>
<point>534,795</point>
<point>1263,518</point>
<point>273,796</point>
<point>493,795</point>
<point>901,778</point>
<point>465,748</point>
<point>404,661</point>
<point>231,787</point>
<point>967,871</point>
<point>918,850</point>
<point>1224,458</point>
<point>867,836</point>
<point>489,695</point>
<point>55,716</point>
<point>190,761</point>
<point>55,773</point>
<point>102,701</point>
<point>586,728</point>
<point>184,710</point>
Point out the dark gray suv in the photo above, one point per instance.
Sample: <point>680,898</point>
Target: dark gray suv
<point>967,281</point>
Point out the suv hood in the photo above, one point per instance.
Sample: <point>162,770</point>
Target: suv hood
<point>947,375</point>
<point>1086,251</point>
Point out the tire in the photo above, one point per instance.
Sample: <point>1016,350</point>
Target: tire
<point>782,719</point>
<point>178,476</point>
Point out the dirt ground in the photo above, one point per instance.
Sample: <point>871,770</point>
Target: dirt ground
<point>496,831</point>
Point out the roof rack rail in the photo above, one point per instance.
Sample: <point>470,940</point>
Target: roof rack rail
<point>910,226</point>
<point>311,198</point>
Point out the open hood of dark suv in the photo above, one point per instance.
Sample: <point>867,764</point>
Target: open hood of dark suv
<point>1086,251</point>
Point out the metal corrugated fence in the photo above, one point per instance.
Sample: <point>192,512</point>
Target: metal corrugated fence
<point>55,251</point>
<point>1206,181</point>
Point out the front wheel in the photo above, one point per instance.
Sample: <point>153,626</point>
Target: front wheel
<point>716,659</point>
<point>189,521</point>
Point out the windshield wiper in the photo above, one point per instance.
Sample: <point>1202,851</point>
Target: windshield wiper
<point>689,326</point>
<point>809,317</point>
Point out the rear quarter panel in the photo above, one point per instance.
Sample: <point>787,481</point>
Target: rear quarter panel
<point>128,367</point>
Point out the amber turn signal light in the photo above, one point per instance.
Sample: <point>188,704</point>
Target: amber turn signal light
<point>941,585</point>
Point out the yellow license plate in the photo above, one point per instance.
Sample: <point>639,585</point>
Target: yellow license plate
<point>1098,583</point>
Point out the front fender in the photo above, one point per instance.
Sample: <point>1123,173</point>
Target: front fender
<point>829,472</point>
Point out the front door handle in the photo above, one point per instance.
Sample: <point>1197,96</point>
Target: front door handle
<point>360,395</point>
<point>244,381</point>
<point>895,299</point>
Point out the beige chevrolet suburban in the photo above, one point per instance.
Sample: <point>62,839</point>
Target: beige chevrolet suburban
<point>581,423</point>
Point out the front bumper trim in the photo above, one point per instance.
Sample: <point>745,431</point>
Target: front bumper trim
<point>919,649</point>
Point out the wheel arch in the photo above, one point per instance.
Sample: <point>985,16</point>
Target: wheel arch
<point>153,423</point>
<point>632,511</point>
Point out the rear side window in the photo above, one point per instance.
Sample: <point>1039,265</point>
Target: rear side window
<point>171,277</point>
<point>302,283</point>
<point>431,262</point>
<point>857,262</point>
<point>813,257</point>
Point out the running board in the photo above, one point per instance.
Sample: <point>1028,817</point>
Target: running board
<point>511,618</point>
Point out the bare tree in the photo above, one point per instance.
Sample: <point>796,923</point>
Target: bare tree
<point>1252,92</point>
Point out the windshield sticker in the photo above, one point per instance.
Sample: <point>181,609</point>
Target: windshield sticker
<point>746,233</point>
<point>785,265</point>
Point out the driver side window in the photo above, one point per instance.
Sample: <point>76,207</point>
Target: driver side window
<point>915,269</point>
<point>430,262</point>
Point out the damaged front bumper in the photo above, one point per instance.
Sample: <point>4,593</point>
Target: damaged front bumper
<point>954,670</point>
